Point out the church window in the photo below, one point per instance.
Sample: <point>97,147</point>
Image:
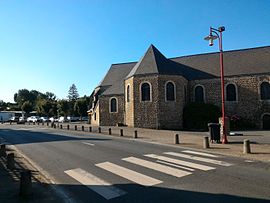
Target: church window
<point>230,92</point>
<point>128,93</point>
<point>170,91</point>
<point>113,105</point>
<point>145,92</point>
<point>265,91</point>
<point>199,93</point>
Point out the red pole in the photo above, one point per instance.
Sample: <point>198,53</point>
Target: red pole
<point>224,136</point>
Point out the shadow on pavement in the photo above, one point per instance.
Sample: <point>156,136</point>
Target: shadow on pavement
<point>25,137</point>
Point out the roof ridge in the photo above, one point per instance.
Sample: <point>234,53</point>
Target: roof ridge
<point>235,50</point>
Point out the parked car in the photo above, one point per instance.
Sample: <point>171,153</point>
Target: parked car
<point>22,120</point>
<point>52,119</point>
<point>62,119</point>
<point>33,119</point>
<point>14,119</point>
<point>44,119</point>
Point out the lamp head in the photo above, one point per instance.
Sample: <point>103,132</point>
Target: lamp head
<point>211,39</point>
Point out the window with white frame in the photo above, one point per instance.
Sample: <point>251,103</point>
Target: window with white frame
<point>113,105</point>
<point>170,91</point>
<point>199,93</point>
<point>128,93</point>
<point>145,92</point>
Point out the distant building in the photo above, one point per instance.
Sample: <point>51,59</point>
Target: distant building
<point>152,92</point>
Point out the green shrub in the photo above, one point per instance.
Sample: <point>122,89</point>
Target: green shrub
<point>196,115</point>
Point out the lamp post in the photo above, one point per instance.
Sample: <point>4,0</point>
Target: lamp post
<point>217,34</point>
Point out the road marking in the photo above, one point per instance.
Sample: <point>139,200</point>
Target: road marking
<point>174,165</point>
<point>200,153</point>
<point>180,162</point>
<point>129,174</point>
<point>103,188</point>
<point>157,167</point>
<point>88,143</point>
<point>212,161</point>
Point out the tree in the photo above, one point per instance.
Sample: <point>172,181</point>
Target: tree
<point>27,107</point>
<point>80,107</point>
<point>46,107</point>
<point>73,94</point>
<point>63,107</point>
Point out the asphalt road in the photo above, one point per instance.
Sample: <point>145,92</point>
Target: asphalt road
<point>101,168</point>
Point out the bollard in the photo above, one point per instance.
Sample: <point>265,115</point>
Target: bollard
<point>42,123</point>
<point>90,129</point>
<point>110,131</point>
<point>61,126</point>
<point>176,139</point>
<point>82,128</point>
<point>246,147</point>
<point>54,126</point>
<point>37,123</point>
<point>28,123</point>
<point>34,123</point>
<point>25,183</point>
<point>75,127</point>
<point>47,123</point>
<point>67,127</point>
<point>99,129</point>
<point>121,132</point>
<point>205,142</point>
<point>135,134</point>
<point>10,122</point>
<point>10,161</point>
<point>3,150</point>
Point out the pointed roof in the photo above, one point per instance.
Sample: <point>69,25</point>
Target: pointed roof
<point>154,62</point>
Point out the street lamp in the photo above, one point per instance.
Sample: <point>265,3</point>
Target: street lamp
<point>217,34</point>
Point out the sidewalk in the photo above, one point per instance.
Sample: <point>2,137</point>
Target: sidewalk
<point>10,183</point>
<point>260,140</point>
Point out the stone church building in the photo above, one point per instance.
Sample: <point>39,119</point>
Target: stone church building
<point>152,92</point>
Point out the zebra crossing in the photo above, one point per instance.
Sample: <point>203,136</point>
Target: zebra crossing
<point>174,164</point>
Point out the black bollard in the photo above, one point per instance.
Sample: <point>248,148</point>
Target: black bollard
<point>177,139</point>
<point>75,127</point>
<point>61,126</point>
<point>99,129</point>
<point>82,128</point>
<point>135,134</point>
<point>121,132</point>
<point>90,129</point>
<point>25,183</point>
<point>10,161</point>
<point>67,127</point>
<point>110,131</point>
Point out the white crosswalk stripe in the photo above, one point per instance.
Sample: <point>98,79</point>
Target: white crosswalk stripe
<point>163,164</point>
<point>157,167</point>
<point>196,158</point>
<point>103,188</point>
<point>180,162</point>
<point>200,153</point>
<point>129,174</point>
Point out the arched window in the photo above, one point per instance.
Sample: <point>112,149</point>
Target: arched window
<point>199,94</point>
<point>146,92</point>
<point>230,92</point>
<point>170,91</point>
<point>113,105</point>
<point>128,93</point>
<point>265,91</point>
<point>266,121</point>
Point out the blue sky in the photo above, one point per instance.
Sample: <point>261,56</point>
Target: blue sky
<point>47,45</point>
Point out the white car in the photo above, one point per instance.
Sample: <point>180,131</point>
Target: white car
<point>44,119</point>
<point>62,119</point>
<point>33,119</point>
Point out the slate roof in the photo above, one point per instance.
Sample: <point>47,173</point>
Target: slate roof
<point>154,62</point>
<point>201,66</point>
<point>236,62</point>
<point>114,79</point>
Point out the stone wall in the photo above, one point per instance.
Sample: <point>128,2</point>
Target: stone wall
<point>248,104</point>
<point>108,118</point>
<point>170,114</point>
<point>145,112</point>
